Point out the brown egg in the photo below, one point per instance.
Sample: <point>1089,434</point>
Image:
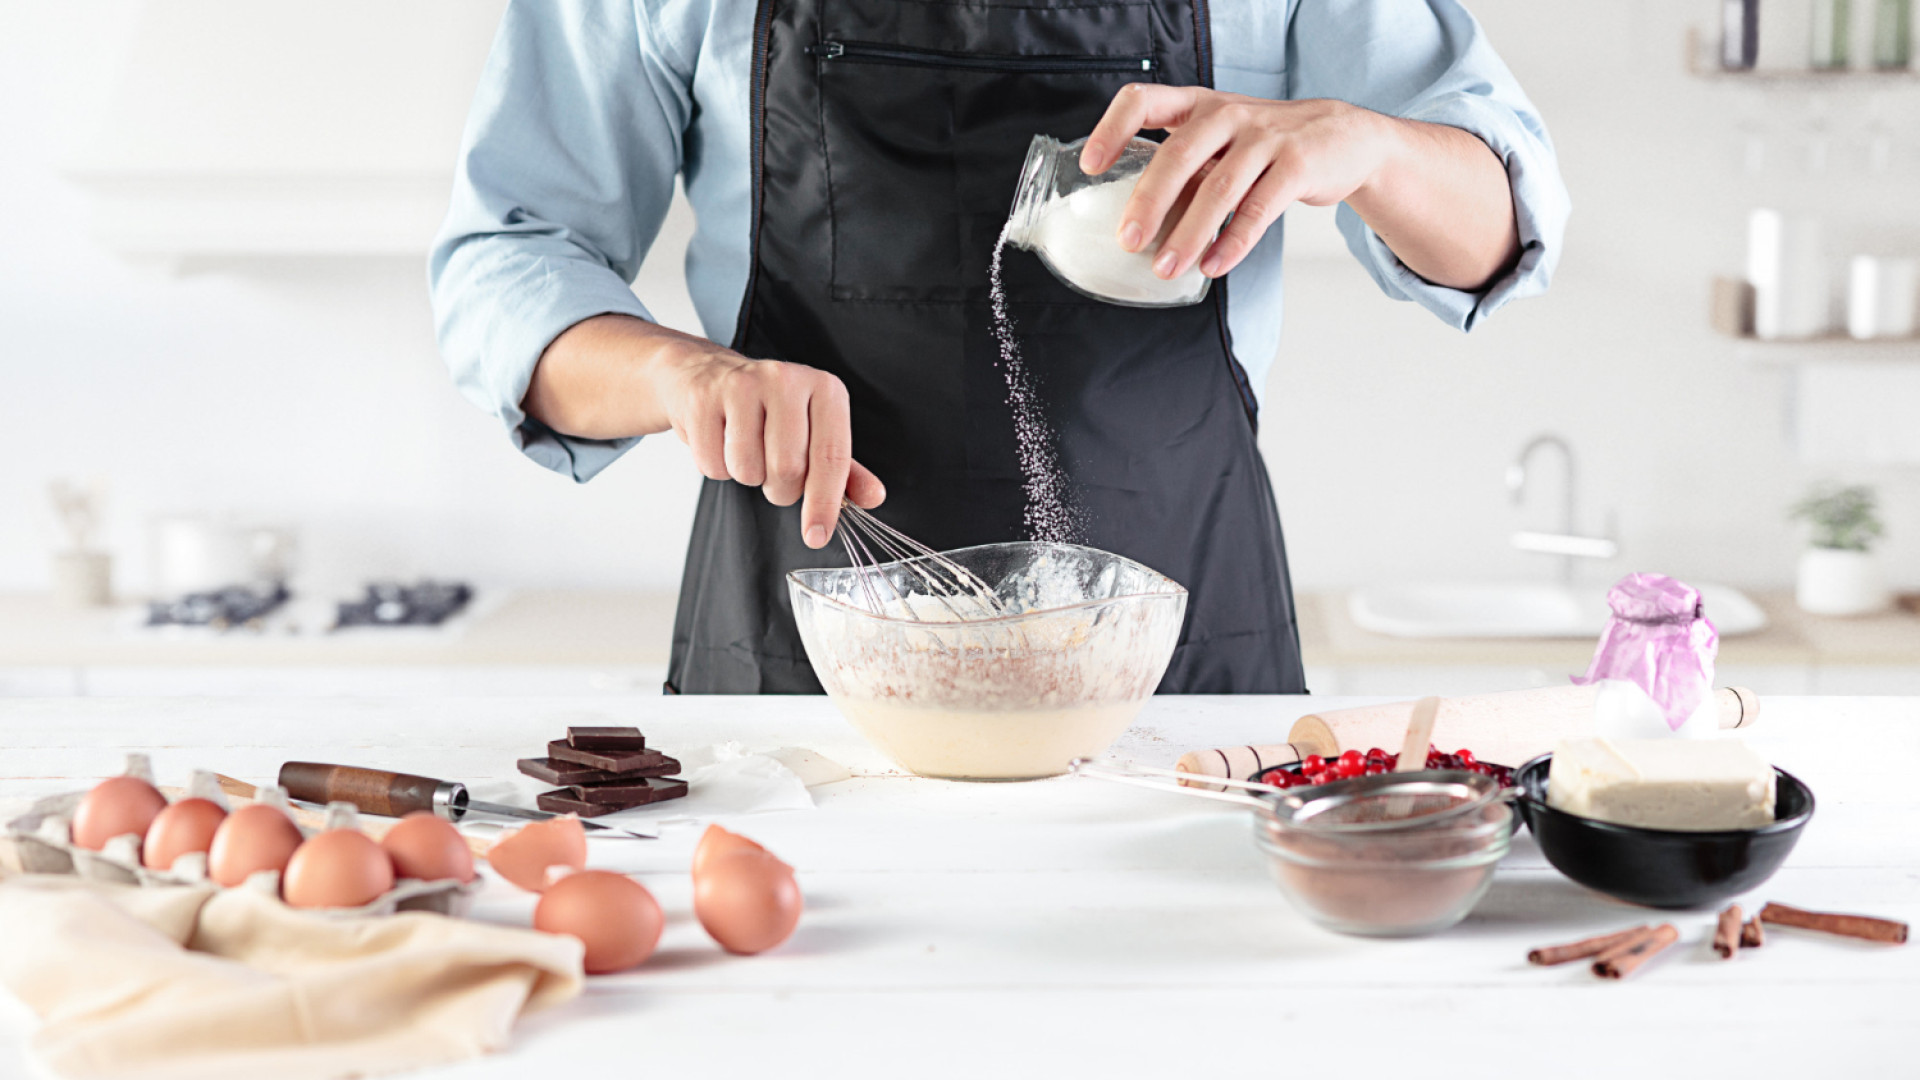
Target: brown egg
<point>186,826</point>
<point>614,916</point>
<point>429,848</point>
<point>747,900</point>
<point>716,842</point>
<point>115,807</point>
<point>335,869</point>
<point>251,839</point>
<point>523,855</point>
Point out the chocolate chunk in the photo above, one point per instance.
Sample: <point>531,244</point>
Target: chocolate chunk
<point>562,801</point>
<point>561,772</point>
<point>613,761</point>
<point>627,792</point>
<point>606,738</point>
<point>568,773</point>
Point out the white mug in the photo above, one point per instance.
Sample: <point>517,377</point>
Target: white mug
<point>197,553</point>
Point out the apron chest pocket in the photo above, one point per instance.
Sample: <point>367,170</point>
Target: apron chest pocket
<point>923,150</point>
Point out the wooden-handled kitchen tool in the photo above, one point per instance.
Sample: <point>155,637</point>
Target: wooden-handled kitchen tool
<point>1507,728</point>
<point>374,791</point>
<point>391,794</point>
<point>242,793</point>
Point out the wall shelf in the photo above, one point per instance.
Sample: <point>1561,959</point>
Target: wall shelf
<point>1830,348</point>
<point>1703,62</point>
<point>1787,79</point>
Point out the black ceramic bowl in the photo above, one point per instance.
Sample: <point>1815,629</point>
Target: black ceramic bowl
<point>1662,868</point>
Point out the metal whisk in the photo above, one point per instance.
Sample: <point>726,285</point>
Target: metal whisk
<point>871,542</point>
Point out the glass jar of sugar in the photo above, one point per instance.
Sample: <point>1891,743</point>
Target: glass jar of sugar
<point>1072,221</point>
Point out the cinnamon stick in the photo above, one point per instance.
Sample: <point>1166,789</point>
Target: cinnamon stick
<point>1751,935</point>
<point>1621,960</point>
<point>1864,927</point>
<point>1584,948</point>
<point>1726,936</point>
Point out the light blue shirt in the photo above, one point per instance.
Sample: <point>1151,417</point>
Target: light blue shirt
<point>588,109</point>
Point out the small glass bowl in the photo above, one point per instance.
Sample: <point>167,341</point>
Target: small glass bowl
<point>1399,855</point>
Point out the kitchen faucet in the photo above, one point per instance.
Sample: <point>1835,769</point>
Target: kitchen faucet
<point>1566,542</point>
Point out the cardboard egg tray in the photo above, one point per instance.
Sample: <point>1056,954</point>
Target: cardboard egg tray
<point>41,843</point>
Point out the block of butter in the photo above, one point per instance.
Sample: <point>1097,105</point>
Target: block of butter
<point>1690,785</point>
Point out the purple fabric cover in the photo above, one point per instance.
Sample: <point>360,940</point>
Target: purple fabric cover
<point>1659,637</point>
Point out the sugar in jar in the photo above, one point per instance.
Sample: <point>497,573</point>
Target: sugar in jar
<point>1072,221</point>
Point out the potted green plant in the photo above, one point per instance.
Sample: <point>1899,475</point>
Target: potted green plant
<point>1838,572</point>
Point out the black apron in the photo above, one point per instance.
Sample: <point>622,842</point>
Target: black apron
<point>888,137</point>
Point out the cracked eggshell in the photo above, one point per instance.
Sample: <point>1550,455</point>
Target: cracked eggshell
<point>523,856</point>
<point>716,842</point>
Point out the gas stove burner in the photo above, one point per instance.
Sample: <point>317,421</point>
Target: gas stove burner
<point>222,609</point>
<point>390,603</point>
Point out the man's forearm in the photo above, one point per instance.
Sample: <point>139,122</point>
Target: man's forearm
<point>1441,201</point>
<point>596,380</point>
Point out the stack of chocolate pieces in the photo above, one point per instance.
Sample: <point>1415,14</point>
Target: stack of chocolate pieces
<point>603,769</point>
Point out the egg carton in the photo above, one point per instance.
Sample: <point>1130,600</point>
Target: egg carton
<point>41,842</point>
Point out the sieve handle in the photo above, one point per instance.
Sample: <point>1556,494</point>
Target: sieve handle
<point>1176,781</point>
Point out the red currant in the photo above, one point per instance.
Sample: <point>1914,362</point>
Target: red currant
<point>1463,756</point>
<point>1351,757</point>
<point>1312,762</point>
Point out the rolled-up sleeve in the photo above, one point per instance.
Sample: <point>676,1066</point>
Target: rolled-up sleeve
<point>566,170</point>
<point>1428,60</point>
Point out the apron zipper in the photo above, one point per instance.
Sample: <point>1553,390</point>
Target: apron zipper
<point>861,52</point>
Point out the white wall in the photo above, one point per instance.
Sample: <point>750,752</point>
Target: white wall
<point>309,391</point>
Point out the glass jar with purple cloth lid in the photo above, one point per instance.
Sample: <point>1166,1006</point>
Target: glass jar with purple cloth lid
<point>1660,641</point>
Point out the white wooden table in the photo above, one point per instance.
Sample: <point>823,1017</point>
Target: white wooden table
<point>1072,928</point>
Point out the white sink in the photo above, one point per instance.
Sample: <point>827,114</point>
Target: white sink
<point>1519,609</point>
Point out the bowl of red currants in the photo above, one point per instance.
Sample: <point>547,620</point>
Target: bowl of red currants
<point>1314,769</point>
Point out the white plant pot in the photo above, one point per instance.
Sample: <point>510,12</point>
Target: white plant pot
<point>1836,582</point>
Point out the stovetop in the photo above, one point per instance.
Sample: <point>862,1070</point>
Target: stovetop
<point>391,603</point>
<point>222,609</point>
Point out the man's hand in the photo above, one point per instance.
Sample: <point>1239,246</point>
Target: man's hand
<point>1436,195</point>
<point>783,428</point>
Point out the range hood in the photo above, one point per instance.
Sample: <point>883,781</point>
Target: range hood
<point>267,128</point>
<point>241,128</point>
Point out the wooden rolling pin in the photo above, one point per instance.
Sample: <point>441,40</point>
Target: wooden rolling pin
<point>1506,728</point>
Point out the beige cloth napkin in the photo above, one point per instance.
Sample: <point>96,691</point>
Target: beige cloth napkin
<point>194,982</point>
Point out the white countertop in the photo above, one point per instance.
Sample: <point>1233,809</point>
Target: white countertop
<point>1073,928</point>
<point>620,628</point>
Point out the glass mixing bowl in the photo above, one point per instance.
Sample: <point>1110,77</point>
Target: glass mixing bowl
<point>1397,855</point>
<point>1085,640</point>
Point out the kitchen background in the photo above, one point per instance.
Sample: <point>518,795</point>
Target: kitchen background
<point>212,299</point>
